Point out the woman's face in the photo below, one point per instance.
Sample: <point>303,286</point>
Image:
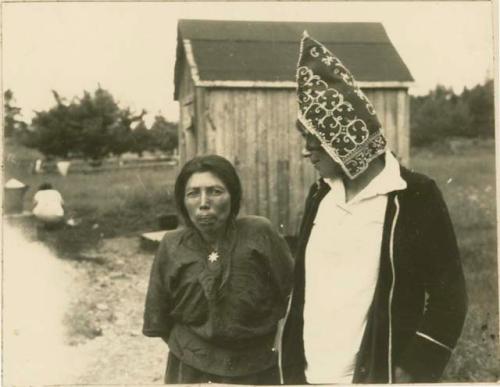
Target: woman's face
<point>318,157</point>
<point>207,201</point>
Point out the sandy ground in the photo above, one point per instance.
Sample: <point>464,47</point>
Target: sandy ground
<point>76,321</point>
<point>114,296</point>
<point>37,291</point>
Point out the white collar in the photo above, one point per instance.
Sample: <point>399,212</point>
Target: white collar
<point>388,180</point>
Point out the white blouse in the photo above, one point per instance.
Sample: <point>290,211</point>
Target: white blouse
<point>342,262</point>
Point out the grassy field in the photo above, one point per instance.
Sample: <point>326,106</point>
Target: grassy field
<point>127,202</point>
<point>467,180</point>
<point>105,204</point>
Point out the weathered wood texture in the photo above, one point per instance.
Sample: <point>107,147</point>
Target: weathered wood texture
<point>255,130</point>
<point>393,110</point>
<point>187,127</point>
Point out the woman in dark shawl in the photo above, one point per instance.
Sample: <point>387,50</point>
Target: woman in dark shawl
<point>220,285</point>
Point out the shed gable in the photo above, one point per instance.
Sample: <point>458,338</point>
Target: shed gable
<point>263,54</point>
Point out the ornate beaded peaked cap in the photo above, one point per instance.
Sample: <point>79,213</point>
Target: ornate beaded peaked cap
<point>334,109</point>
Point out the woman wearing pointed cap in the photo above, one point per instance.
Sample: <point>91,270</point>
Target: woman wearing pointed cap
<point>220,285</point>
<point>379,294</point>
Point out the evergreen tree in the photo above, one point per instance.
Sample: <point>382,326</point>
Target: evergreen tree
<point>442,114</point>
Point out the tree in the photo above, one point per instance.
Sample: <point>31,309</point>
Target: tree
<point>431,116</point>
<point>480,100</point>
<point>93,118</point>
<point>11,123</point>
<point>141,139</point>
<point>442,113</point>
<point>92,127</point>
<point>54,131</point>
<point>121,132</point>
<point>165,135</point>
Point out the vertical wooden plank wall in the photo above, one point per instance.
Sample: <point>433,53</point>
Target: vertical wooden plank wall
<point>281,131</point>
<point>403,122</point>
<point>230,121</point>
<point>255,130</point>
<point>200,124</point>
<point>392,106</point>
<point>250,162</point>
<point>187,139</point>
<point>262,167</point>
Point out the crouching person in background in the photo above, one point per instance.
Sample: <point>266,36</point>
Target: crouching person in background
<point>48,207</point>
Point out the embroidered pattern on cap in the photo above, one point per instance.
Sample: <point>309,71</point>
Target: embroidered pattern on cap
<point>335,110</point>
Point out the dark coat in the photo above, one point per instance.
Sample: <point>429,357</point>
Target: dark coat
<point>419,304</point>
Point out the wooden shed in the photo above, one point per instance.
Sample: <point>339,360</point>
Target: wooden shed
<point>235,83</point>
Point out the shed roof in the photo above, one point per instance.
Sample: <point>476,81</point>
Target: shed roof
<point>264,54</point>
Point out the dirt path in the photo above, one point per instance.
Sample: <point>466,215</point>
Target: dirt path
<point>76,321</point>
<point>37,292</point>
<point>110,306</point>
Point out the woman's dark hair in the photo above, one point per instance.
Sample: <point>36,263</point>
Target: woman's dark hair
<point>221,168</point>
<point>45,186</point>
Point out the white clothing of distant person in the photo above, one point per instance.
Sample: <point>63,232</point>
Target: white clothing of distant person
<point>48,206</point>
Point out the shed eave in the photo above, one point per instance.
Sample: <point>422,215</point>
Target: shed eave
<point>293,85</point>
<point>193,67</point>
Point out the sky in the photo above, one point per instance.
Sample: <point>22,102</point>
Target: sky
<point>129,48</point>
